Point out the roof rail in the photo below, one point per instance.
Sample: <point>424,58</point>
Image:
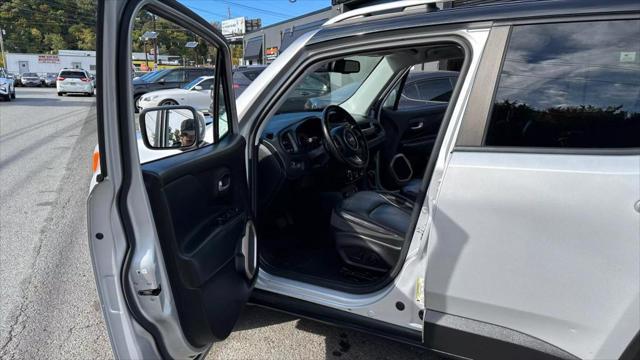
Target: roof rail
<point>371,10</point>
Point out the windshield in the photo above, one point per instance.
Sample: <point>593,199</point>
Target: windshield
<point>30,75</point>
<point>323,87</point>
<point>192,83</point>
<point>154,75</point>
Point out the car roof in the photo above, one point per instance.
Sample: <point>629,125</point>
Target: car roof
<point>249,68</point>
<point>188,68</point>
<point>498,12</point>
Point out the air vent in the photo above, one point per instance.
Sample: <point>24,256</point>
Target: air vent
<point>287,143</point>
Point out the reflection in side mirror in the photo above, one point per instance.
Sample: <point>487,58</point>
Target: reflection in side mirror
<point>171,127</point>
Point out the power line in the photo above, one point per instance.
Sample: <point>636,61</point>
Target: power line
<point>209,12</point>
<point>263,11</point>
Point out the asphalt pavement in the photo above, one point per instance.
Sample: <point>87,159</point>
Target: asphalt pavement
<point>49,307</point>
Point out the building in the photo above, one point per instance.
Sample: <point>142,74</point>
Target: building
<point>234,30</point>
<point>49,63</point>
<point>264,45</point>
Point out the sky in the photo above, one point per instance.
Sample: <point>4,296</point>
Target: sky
<point>270,11</point>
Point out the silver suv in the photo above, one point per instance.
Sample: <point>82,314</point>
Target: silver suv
<point>7,86</point>
<point>494,216</point>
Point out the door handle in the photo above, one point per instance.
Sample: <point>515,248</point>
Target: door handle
<point>224,183</point>
<point>417,126</point>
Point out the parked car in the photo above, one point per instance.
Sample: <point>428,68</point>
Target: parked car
<point>50,79</point>
<point>74,81</point>
<point>7,86</point>
<point>139,74</point>
<point>196,94</point>
<point>30,79</point>
<point>168,79</point>
<point>17,79</point>
<point>244,75</point>
<point>518,240</point>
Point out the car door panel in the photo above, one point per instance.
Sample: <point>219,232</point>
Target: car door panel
<point>412,131</point>
<point>199,202</point>
<point>179,256</point>
<point>202,99</point>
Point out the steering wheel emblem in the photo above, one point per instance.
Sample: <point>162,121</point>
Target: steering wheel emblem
<point>350,139</point>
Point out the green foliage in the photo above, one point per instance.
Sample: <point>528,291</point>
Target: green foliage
<point>34,26</point>
<point>171,39</point>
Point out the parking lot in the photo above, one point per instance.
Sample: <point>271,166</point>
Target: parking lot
<point>48,302</point>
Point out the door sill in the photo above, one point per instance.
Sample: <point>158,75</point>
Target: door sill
<point>351,288</point>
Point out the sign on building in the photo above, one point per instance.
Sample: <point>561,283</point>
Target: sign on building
<point>233,26</point>
<point>48,59</point>
<point>271,53</point>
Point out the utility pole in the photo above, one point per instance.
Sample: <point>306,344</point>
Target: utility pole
<point>229,11</point>
<point>4,57</point>
<point>155,45</point>
<point>146,57</point>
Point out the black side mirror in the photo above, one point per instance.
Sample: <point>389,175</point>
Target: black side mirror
<point>171,127</point>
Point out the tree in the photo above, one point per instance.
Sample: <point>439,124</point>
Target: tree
<point>37,27</point>
<point>55,42</point>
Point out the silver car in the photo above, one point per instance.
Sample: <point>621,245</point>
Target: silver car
<point>7,86</point>
<point>496,216</point>
<point>30,79</point>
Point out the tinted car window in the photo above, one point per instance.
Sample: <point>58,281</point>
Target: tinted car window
<point>72,74</point>
<point>192,74</point>
<point>410,91</point>
<point>207,84</point>
<point>252,74</point>
<point>569,85</point>
<point>176,75</point>
<point>435,90</point>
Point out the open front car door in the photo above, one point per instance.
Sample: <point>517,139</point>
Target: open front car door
<point>172,240</point>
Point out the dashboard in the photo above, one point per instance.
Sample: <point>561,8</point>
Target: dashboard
<point>297,141</point>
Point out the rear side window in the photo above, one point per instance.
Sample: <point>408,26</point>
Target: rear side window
<point>252,74</point>
<point>72,74</point>
<point>176,75</point>
<point>435,90</point>
<point>571,85</point>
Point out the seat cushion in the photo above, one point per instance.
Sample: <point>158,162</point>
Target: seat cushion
<point>371,225</point>
<point>383,210</point>
<point>412,189</point>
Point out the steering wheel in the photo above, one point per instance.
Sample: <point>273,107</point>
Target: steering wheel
<point>343,138</point>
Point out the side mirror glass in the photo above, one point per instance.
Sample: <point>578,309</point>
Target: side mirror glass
<point>171,127</point>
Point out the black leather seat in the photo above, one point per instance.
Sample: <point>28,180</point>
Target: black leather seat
<point>412,189</point>
<point>370,227</point>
